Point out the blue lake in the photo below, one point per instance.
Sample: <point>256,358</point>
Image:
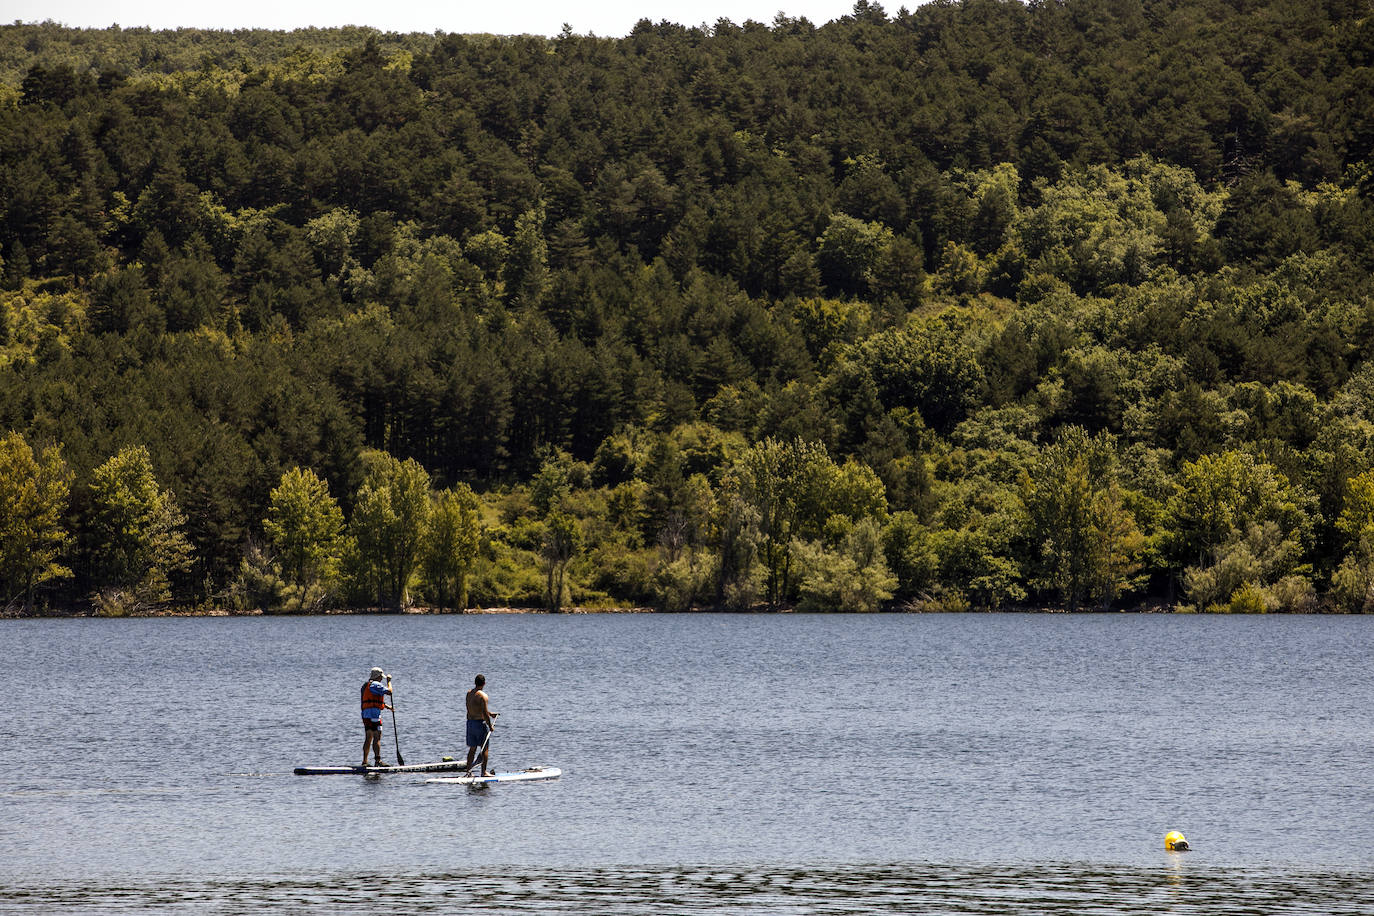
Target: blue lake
<point>742,763</point>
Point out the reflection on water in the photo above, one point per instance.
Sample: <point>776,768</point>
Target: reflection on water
<point>1176,887</point>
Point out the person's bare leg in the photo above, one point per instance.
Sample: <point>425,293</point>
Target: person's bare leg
<point>373,741</point>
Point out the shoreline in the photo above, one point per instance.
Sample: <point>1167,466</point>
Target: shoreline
<point>483,611</point>
<point>332,612</point>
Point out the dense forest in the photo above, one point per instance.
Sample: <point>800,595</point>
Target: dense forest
<point>980,305</point>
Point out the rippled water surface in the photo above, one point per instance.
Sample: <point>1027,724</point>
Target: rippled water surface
<point>754,764</point>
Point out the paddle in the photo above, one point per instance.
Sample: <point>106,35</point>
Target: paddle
<point>400,761</point>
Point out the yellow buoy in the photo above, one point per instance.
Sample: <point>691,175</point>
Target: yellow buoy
<point>1175,841</point>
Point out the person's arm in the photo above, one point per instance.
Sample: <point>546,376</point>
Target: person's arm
<point>383,692</point>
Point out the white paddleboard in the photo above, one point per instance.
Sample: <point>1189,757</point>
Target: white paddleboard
<point>529,775</point>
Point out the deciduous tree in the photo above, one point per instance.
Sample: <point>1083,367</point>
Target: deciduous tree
<point>389,521</point>
<point>305,526</point>
<point>1084,543</point>
<point>33,538</point>
<point>135,532</point>
<point>451,545</point>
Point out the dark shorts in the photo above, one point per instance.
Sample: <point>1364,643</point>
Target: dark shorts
<point>477,732</point>
<point>372,725</point>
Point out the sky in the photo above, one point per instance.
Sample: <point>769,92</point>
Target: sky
<point>605,18</point>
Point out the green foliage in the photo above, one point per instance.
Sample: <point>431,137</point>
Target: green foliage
<point>550,488</point>
<point>975,569</point>
<point>1218,497</point>
<point>909,550</point>
<point>1085,543</point>
<point>299,54</point>
<point>681,582</point>
<point>390,519</point>
<point>305,526</point>
<point>926,367</point>
<point>796,493</point>
<point>851,577</point>
<point>1102,228</point>
<point>1356,520</point>
<point>526,273</point>
<point>1353,581</point>
<point>680,512</point>
<point>829,324</point>
<point>261,585</point>
<point>507,575</point>
<point>35,322</point>
<point>715,299</point>
<point>1251,573</point>
<point>33,538</point>
<point>135,532</point>
<point>738,524</point>
<point>561,542</point>
<point>849,251</point>
<point>451,546</point>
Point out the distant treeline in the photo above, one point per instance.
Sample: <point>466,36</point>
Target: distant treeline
<point>977,305</point>
<point>140,53</point>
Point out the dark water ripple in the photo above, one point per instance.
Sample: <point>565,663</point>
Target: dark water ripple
<point>826,891</point>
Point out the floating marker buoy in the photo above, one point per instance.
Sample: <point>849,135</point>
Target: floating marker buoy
<point>1175,841</point>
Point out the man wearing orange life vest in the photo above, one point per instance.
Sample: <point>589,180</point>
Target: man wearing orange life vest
<point>374,701</point>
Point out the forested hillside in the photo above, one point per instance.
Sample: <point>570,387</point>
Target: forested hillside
<point>979,305</point>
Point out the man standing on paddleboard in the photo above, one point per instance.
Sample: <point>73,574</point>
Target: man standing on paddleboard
<point>481,721</point>
<point>374,701</point>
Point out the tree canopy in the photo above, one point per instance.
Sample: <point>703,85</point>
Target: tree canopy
<point>978,303</point>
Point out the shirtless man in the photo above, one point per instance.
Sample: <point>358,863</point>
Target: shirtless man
<point>481,722</point>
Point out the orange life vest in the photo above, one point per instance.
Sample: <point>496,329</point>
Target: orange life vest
<point>371,700</point>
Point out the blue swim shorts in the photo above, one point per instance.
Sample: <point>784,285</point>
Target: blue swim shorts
<point>477,732</point>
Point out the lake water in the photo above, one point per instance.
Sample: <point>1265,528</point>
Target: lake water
<point>729,763</point>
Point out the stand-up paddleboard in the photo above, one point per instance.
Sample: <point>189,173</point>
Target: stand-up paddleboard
<point>443,766</point>
<point>529,775</point>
